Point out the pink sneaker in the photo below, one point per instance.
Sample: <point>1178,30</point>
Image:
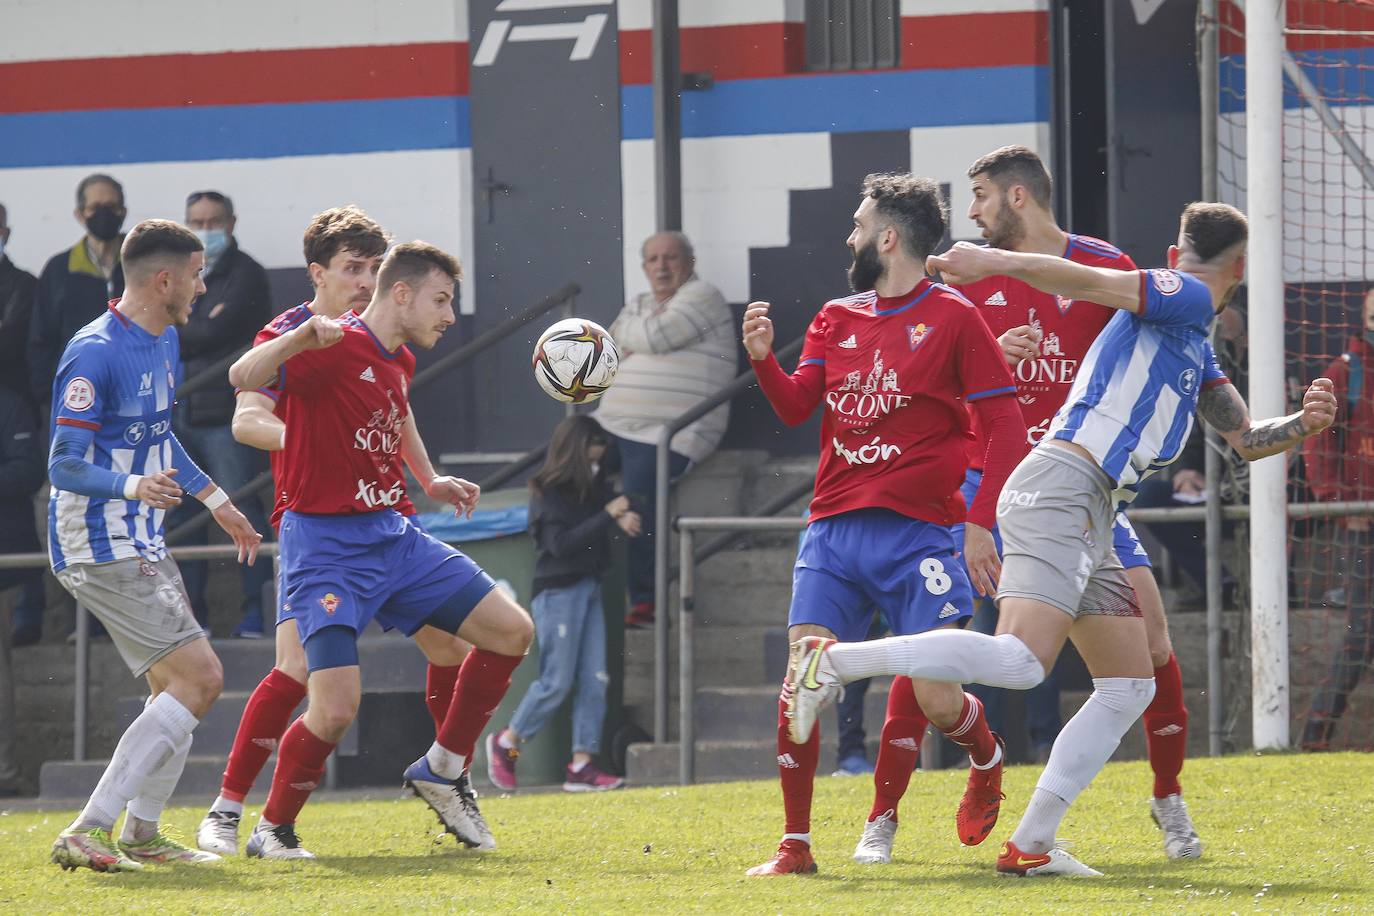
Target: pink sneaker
<point>589,779</point>
<point>501,763</point>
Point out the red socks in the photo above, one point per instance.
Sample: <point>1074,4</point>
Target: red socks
<point>264,719</point>
<point>300,764</point>
<point>971,732</point>
<point>439,693</point>
<point>797,770</point>
<point>1166,729</point>
<point>483,679</point>
<point>899,749</point>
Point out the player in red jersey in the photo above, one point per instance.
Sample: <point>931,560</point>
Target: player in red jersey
<point>343,252</point>
<point>350,557</point>
<point>897,368</point>
<point>1045,338</point>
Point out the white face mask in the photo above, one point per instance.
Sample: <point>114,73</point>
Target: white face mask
<point>596,468</point>
<point>2,248</point>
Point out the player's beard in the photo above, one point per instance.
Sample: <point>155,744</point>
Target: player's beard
<point>1009,229</point>
<point>866,270</point>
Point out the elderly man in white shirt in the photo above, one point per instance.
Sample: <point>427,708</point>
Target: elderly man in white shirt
<point>677,348</point>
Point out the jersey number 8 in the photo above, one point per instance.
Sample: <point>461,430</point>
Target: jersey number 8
<point>937,580</point>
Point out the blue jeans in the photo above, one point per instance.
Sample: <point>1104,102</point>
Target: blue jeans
<point>570,626</point>
<point>1042,701</point>
<point>231,465</point>
<point>638,476</point>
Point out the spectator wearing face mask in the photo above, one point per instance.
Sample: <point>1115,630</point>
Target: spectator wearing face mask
<point>236,303</point>
<point>77,284</point>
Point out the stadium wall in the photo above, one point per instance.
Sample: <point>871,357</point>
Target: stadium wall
<point>294,107</point>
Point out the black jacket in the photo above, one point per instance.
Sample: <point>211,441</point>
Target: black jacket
<point>572,540</point>
<point>17,288</point>
<point>72,292</point>
<point>235,306</point>
<point>21,473</point>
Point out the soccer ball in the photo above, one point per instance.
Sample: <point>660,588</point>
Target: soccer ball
<point>575,361</point>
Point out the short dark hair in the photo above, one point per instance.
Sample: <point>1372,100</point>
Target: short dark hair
<point>153,237</point>
<point>213,196</point>
<point>412,262</point>
<point>1212,228</point>
<point>97,178</point>
<point>915,206</point>
<point>343,229</point>
<point>1016,164</point>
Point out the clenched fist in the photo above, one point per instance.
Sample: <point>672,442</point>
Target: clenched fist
<point>758,330</point>
<point>318,332</point>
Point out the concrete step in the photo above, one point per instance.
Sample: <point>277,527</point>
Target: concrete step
<point>725,656</point>
<point>387,660</point>
<point>717,761</point>
<point>749,587</point>
<point>751,713</point>
<point>392,729</point>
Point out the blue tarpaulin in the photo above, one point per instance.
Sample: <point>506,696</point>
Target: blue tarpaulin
<point>484,525</point>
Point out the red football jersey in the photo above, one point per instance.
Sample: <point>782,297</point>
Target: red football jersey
<point>1070,327</point>
<point>345,406</point>
<point>283,474</point>
<point>899,374</point>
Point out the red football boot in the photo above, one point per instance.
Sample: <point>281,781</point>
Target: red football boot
<point>792,858</point>
<point>982,800</point>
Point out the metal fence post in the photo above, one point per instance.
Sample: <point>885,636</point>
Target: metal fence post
<point>661,510</point>
<point>81,683</point>
<point>686,660</point>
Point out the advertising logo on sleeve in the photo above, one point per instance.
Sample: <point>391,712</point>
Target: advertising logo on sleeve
<point>1167,281</point>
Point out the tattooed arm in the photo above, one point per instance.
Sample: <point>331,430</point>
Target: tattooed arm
<point>1224,410</point>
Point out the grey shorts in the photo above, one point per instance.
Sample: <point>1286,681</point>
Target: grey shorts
<point>1056,516</point>
<point>141,603</point>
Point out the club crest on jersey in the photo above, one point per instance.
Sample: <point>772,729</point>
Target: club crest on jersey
<point>330,602</point>
<point>1064,303</point>
<point>917,333</point>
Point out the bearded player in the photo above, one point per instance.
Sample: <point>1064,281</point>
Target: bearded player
<point>897,368</point>
<point>1128,414</point>
<point>343,252</point>
<point>1045,338</point>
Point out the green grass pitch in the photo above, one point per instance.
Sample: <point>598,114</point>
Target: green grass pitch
<point>1283,833</point>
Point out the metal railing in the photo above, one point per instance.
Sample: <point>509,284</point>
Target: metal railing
<point>687,528</point>
<point>662,491</point>
<point>565,297</point>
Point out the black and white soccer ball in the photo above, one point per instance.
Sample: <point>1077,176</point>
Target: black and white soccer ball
<point>575,361</point>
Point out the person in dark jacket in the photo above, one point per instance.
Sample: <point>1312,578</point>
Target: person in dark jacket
<point>236,303</point>
<point>77,285</point>
<point>1340,466</point>
<point>17,289</point>
<point>21,473</point>
<point>572,516</point>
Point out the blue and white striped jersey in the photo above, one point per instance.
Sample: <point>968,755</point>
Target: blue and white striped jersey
<point>116,381</point>
<point>1133,401</point>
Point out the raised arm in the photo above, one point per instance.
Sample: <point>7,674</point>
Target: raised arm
<point>1224,410</point>
<point>260,365</point>
<point>256,423</point>
<point>793,397</point>
<point>967,263</point>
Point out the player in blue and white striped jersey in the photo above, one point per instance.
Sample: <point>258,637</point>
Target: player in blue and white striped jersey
<point>1127,415</point>
<point>116,468</point>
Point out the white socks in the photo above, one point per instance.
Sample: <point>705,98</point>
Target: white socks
<point>1083,747</point>
<point>227,805</point>
<point>149,743</point>
<point>152,796</point>
<point>443,762</point>
<point>959,656</point>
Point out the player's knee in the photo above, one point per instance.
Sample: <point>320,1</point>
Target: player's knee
<point>1021,669</point>
<point>329,717</point>
<point>206,682</point>
<point>517,635</point>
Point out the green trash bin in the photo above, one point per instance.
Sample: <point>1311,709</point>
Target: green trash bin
<point>497,538</point>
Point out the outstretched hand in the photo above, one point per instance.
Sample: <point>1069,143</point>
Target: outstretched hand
<point>964,263</point>
<point>246,538</point>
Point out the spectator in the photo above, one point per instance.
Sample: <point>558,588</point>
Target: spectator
<point>77,284</point>
<point>1340,466</point>
<point>223,322</point>
<point>16,308</point>
<point>21,473</point>
<point>16,311</point>
<point>572,516</point>
<point>677,348</point>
